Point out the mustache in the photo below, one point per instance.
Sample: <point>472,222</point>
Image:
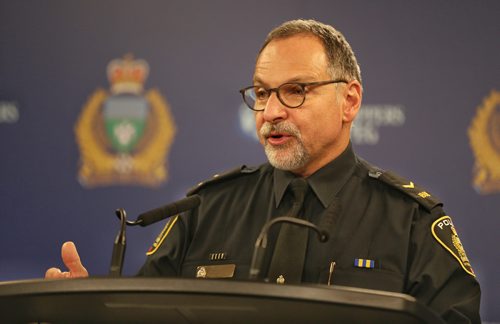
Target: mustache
<point>283,127</point>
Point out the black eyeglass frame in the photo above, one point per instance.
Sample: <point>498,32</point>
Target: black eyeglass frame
<point>303,85</point>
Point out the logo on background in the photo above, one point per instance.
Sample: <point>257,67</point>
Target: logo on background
<point>366,130</point>
<point>247,122</point>
<point>370,118</point>
<point>124,135</point>
<point>9,112</point>
<point>484,136</point>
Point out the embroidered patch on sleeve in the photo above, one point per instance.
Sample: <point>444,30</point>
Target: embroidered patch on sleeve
<point>444,232</point>
<point>159,240</point>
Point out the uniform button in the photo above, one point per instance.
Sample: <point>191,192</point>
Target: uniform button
<point>201,272</point>
<point>280,280</point>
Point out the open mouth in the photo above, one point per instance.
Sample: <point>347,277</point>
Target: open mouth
<point>278,138</point>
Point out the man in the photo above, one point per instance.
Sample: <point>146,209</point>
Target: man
<point>385,233</point>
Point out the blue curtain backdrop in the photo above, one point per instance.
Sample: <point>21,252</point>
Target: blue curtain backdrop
<point>429,68</point>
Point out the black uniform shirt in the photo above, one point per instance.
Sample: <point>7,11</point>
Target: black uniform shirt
<point>381,233</point>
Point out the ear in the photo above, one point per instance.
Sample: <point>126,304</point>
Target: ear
<point>352,101</point>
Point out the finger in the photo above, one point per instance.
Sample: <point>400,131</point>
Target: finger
<point>53,273</point>
<point>72,260</point>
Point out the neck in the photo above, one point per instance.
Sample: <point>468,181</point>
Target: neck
<point>315,164</point>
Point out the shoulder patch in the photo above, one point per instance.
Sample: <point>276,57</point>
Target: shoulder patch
<point>163,234</point>
<point>216,178</point>
<point>408,187</point>
<point>444,232</point>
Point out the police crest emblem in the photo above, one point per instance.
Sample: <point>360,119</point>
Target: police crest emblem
<point>484,135</point>
<point>445,233</point>
<point>124,135</point>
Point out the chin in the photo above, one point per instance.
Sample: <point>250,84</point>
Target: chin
<point>284,159</point>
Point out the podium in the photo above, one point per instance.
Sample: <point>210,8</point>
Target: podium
<point>173,300</point>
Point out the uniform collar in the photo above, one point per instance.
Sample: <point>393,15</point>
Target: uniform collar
<point>326,182</point>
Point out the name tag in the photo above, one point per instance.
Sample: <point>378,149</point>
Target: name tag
<point>215,271</point>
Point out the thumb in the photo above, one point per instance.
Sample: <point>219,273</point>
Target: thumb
<point>72,261</point>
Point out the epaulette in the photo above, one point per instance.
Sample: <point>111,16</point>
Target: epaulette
<point>220,177</point>
<point>424,198</point>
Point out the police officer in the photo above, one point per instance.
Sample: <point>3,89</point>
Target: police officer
<point>386,233</point>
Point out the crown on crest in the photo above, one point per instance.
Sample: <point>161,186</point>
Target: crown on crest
<point>127,75</point>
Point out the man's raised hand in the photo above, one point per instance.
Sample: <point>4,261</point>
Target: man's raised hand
<point>72,261</point>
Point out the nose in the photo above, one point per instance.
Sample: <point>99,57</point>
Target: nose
<point>274,111</point>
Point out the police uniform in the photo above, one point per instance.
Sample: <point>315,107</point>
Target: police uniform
<point>385,234</point>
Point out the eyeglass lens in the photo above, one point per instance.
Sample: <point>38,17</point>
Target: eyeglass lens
<point>290,94</point>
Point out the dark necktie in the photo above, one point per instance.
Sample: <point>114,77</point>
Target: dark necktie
<point>289,255</point>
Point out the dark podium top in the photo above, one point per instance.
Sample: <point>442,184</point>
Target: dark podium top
<point>172,300</point>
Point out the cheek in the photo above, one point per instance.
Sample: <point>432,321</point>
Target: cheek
<point>258,124</point>
<point>258,120</point>
<point>325,128</point>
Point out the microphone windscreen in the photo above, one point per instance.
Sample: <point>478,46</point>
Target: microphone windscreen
<point>171,209</point>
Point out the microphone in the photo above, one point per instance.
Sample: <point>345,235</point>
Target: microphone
<point>119,247</point>
<point>261,242</point>
<point>166,211</point>
<point>160,213</point>
<point>145,219</point>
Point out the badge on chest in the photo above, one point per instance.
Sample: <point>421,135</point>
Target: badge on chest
<point>214,270</point>
<point>218,271</point>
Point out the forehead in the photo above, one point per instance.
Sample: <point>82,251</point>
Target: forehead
<point>299,58</point>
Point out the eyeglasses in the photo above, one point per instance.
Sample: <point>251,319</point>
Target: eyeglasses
<point>290,94</point>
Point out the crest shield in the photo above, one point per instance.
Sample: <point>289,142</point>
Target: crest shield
<point>125,118</point>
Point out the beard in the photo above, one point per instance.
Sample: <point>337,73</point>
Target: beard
<point>289,156</point>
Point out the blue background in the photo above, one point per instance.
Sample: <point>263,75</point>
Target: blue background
<point>437,60</point>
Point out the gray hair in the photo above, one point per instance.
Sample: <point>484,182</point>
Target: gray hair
<point>342,62</point>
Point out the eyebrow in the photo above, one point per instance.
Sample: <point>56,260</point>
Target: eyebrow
<point>299,78</point>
